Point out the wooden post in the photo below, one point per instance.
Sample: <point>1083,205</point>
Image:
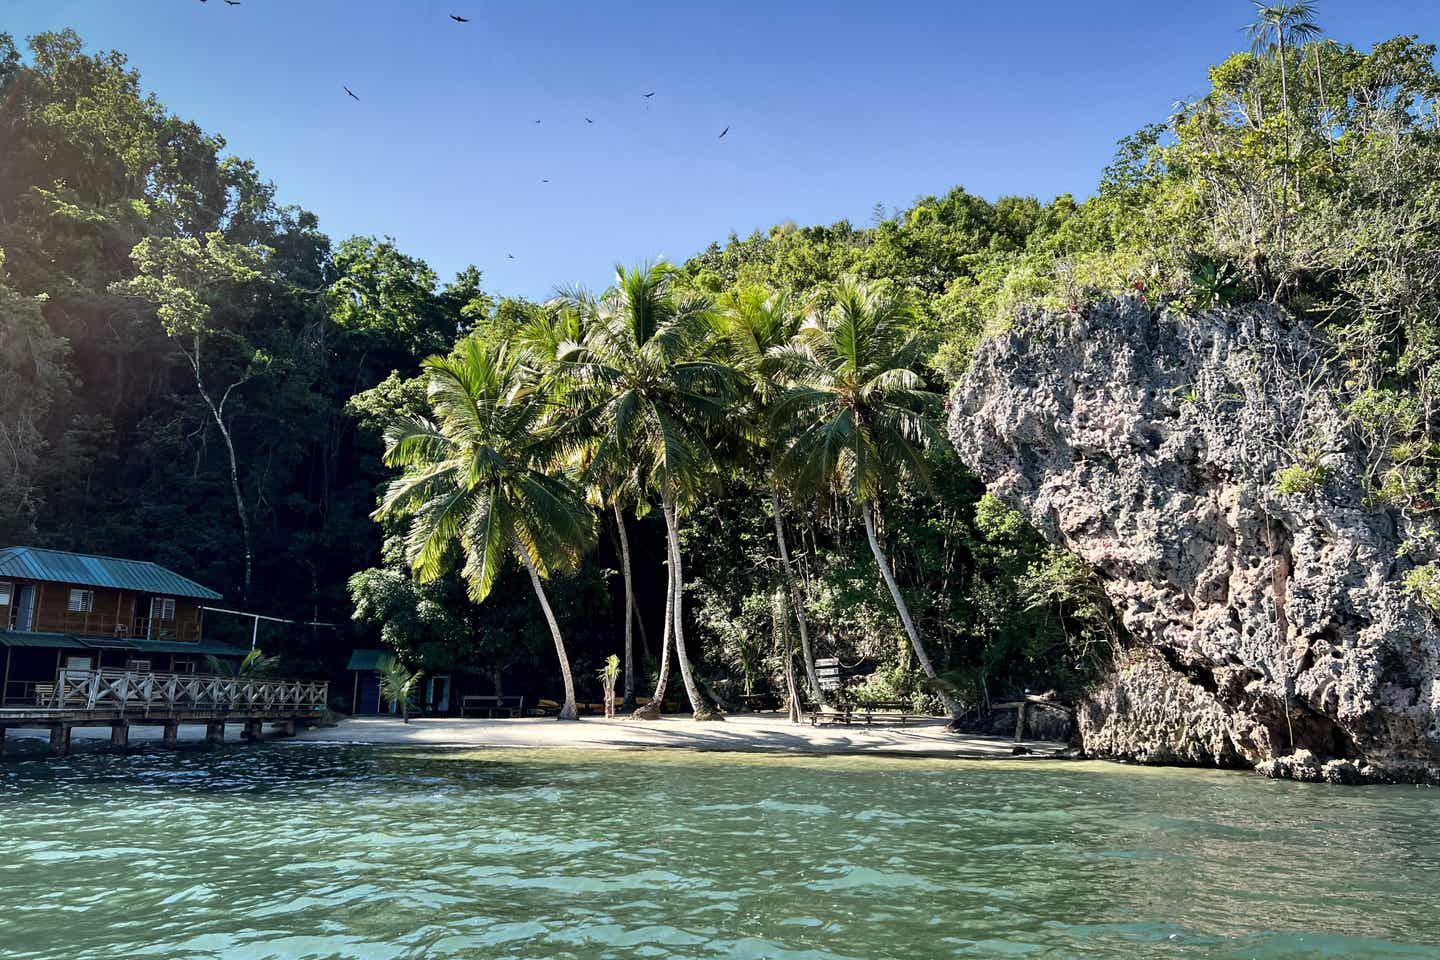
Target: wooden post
<point>5,686</point>
<point>172,733</point>
<point>2,740</point>
<point>215,731</point>
<point>253,730</point>
<point>1020,720</point>
<point>120,734</point>
<point>59,739</point>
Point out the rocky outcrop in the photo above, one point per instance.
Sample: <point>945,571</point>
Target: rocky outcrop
<point>1271,628</point>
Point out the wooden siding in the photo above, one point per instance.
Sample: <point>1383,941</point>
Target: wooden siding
<point>125,608</point>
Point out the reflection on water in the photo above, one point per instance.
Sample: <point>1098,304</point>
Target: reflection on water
<point>309,851</point>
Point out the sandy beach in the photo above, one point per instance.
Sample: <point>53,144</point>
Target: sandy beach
<point>744,732</point>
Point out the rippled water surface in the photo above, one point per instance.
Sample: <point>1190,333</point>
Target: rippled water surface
<point>315,851</point>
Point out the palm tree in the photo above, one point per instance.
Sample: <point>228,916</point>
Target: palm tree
<point>648,397</point>
<point>397,684</point>
<point>562,326</point>
<point>758,329</point>
<point>478,475</point>
<point>1275,23</point>
<point>859,416</point>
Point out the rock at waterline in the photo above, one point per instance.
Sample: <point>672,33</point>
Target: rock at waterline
<point>1273,629</point>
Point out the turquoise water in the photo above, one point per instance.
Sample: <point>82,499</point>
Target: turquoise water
<point>313,851</point>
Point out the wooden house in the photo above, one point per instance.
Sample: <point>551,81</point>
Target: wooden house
<point>86,612</point>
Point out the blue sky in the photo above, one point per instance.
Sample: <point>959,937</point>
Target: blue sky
<point>832,107</point>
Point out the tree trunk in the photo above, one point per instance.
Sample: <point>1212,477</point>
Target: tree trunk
<point>629,690</point>
<point>889,576</point>
<point>569,711</point>
<point>653,709</point>
<point>797,602</point>
<point>218,412</point>
<point>701,709</point>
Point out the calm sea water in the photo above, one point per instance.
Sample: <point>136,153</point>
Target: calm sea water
<point>315,851</point>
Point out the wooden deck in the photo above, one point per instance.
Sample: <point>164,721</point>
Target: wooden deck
<point>122,698</point>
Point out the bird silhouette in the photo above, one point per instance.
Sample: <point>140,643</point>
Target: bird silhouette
<point>649,95</point>
<point>459,19</point>
<point>232,3</point>
<point>722,134</point>
<point>543,180</point>
<point>349,91</point>
<point>588,120</point>
<point>537,121</point>
<point>510,256</point>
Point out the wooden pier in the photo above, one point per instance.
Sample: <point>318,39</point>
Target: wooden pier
<point>120,699</point>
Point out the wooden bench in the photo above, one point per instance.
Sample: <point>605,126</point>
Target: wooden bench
<point>871,712</point>
<point>511,706</point>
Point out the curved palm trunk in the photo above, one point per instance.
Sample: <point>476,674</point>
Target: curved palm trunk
<point>797,602</point>
<point>651,710</point>
<point>569,711</point>
<point>702,709</point>
<point>629,701</point>
<point>889,576</point>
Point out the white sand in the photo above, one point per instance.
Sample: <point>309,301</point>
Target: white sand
<point>744,732</point>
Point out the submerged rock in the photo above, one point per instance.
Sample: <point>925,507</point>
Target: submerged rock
<point>1268,624</point>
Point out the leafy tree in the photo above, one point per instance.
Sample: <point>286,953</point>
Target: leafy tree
<point>859,418</point>
<point>757,328</point>
<point>477,476</point>
<point>647,395</point>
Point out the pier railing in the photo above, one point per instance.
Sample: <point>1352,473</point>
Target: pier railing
<point>131,689</point>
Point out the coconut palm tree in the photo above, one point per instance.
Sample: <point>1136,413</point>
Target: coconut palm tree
<point>649,395</point>
<point>859,417</point>
<point>480,475</point>
<point>562,326</point>
<point>758,329</point>
<point>397,684</point>
<point>1276,24</point>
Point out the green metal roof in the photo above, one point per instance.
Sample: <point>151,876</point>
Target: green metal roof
<point>57,566</point>
<point>366,660</point>
<point>15,638</point>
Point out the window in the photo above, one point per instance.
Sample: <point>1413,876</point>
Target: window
<point>162,608</point>
<point>82,601</point>
<point>7,590</point>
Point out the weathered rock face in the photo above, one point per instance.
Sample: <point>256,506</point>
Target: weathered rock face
<point>1266,623</point>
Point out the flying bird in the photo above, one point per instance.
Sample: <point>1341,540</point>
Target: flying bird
<point>459,19</point>
<point>588,120</point>
<point>510,256</point>
<point>232,3</point>
<point>349,91</point>
<point>722,134</point>
<point>649,95</point>
<point>543,180</point>
<point>537,121</point>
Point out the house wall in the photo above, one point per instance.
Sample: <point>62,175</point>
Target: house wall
<point>110,607</point>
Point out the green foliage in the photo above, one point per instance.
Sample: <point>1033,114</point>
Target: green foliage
<point>1424,583</point>
<point>1301,478</point>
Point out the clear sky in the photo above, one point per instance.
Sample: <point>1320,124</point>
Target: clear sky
<point>832,107</point>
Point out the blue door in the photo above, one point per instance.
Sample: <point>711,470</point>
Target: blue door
<point>369,704</point>
<point>25,608</point>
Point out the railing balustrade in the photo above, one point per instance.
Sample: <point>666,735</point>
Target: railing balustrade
<point>106,689</point>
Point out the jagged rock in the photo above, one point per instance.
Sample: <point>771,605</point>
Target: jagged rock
<point>1149,443</point>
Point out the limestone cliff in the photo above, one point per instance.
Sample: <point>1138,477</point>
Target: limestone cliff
<point>1271,629</point>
